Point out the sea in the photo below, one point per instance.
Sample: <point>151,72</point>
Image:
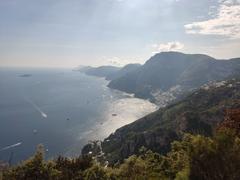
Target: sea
<point>60,109</point>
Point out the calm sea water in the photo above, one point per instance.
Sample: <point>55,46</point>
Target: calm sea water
<point>60,109</point>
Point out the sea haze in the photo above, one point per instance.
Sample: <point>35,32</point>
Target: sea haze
<point>60,109</point>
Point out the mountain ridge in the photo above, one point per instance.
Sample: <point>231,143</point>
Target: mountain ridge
<point>168,70</point>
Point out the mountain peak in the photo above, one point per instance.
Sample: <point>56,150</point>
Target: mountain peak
<point>168,53</point>
<point>181,54</point>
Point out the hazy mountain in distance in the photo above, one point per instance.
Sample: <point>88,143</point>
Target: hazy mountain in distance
<point>170,74</point>
<point>102,71</point>
<point>124,71</point>
<point>109,72</point>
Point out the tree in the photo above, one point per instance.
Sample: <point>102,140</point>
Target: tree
<point>33,169</point>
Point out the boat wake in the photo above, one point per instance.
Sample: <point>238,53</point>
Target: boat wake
<point>11,146</point>
<point>44,115</point>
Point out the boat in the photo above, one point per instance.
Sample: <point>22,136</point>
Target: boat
<point>35,131</point>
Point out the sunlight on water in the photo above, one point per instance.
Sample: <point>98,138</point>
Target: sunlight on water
<point>78,108</point>
<point>119,113</point>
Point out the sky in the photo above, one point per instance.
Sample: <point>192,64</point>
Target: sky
<point>69,33</point>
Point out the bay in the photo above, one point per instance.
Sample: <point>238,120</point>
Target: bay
<point>61,109</point>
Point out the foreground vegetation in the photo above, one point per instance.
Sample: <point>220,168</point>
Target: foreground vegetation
<point>194,157</point>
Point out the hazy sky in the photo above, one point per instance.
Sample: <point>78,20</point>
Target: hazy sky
<point>67,33</point>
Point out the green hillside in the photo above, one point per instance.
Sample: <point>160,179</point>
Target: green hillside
<point>199,113</point>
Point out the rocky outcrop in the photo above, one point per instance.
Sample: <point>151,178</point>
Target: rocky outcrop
<point>231,120</point>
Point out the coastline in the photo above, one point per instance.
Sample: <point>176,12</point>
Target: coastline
<point>104,129</point>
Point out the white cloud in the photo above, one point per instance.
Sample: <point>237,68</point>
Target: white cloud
<point>120,61</point>
<point>115,61</point>
<point>229,2</point>
<point>225,23</point>
<point>170,46</point>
